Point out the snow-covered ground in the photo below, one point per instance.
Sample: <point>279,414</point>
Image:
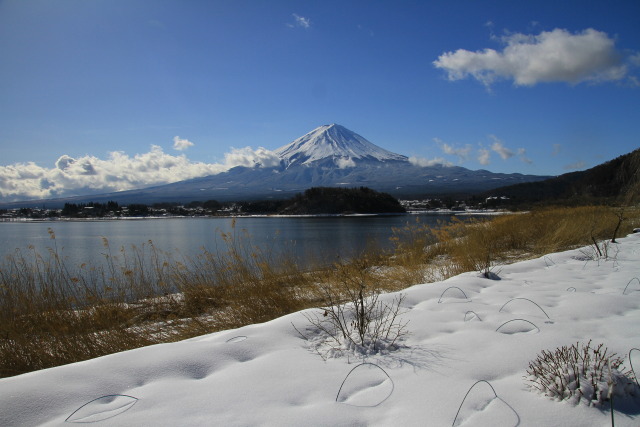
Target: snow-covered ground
<point>268,374</point>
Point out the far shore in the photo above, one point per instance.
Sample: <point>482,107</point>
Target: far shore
<point>344,215</point>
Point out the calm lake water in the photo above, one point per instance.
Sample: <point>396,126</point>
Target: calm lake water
<point>319,238</point>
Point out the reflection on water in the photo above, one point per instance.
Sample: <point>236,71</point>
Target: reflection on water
<point>307,238</point>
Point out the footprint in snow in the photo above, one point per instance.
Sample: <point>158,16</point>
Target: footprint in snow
<point>102,408</point>
<point>492,413</point>
<point>518,326</point>
<point>365,385</point>
<point>471,316</point>
<point>453,294</point>
<point>524,306</point>
<point>481,406</point>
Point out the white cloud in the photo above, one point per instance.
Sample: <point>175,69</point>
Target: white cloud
<point>499,148</point>
<point>345,162</point>
<point>423,162</point>
<point>522,153</point>
<point>300,21</point>
<point>484,156</point>
<point>551,56</point>
<point>461,152</point>
<point>181,144</point>
<point>556,149</point>
<point>249,157</point>
<point>89,174</point>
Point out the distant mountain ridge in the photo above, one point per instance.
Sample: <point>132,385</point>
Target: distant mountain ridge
<point>328,156</point>
<point>616,181</point>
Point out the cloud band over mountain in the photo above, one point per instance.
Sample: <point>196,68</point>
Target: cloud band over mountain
<point>327,154</point>
<point>90,174</point>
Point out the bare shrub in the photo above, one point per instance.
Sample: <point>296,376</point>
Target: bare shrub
<point>580,373</point>
<point>52,312</point>
<point>354,317</point>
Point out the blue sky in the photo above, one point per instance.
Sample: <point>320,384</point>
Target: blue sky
<point>117,94</point>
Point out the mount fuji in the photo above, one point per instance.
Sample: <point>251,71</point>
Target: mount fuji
<point>334,144</point>
<point>329,156</point>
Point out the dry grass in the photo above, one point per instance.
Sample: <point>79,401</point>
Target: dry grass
<point>485,243</point>
<point>52,313</point>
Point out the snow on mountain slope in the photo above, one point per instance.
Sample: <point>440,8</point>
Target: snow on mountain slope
<point>329,156</point>
<point>335,143</point>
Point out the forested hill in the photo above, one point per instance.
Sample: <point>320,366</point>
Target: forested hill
<point>328,200</point>
<point>616,181</point>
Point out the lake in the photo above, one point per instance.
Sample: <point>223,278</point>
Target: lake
<point>319,238</point>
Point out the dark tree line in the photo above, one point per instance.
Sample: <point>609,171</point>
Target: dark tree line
<point>329,200</point>
<point>317,200</point>
<point>91,209</point>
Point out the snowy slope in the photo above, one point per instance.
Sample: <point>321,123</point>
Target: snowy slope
<point>336,143</point>
<point>268,375</point>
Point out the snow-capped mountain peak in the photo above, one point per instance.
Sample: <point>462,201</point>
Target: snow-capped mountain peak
<point>334,143</point>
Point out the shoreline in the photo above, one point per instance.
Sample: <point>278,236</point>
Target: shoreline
<point>355,215</point>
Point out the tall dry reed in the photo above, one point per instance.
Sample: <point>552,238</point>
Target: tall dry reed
<point>52,312</point>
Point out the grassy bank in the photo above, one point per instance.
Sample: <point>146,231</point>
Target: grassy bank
<point>52,313</point>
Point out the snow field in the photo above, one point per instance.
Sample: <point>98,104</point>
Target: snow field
<point>269,375</point>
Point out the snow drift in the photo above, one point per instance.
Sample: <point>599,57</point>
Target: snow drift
<point>465,359</point>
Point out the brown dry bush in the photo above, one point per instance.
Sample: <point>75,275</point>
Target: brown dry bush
<point>352,313</point>
<point>53,313</point>
<point>484,244</point>
<point>241,285</point>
